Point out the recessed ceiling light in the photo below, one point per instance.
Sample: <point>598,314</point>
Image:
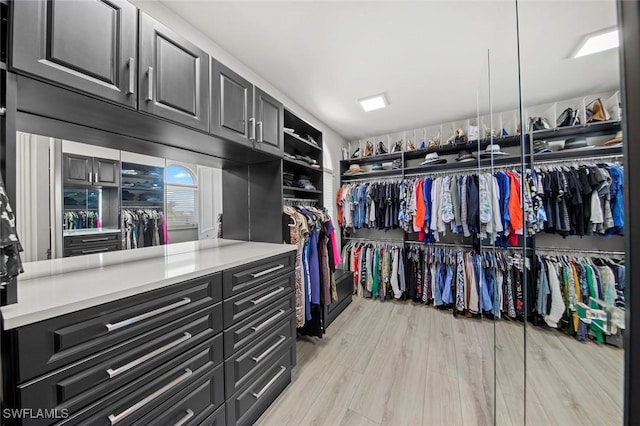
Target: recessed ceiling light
<point>373,102</point>
<point>598,42</point>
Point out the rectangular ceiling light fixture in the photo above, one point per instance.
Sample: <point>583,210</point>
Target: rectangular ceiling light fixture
<point>373,102</point>
<point>598,42</point>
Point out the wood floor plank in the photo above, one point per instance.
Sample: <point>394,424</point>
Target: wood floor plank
<point>381,364</point>
<point>400,363</point>
<point>331,405</point>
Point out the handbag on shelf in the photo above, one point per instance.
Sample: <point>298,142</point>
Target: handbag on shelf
<point>569,117</point>
<point>597,112</point>
<point>368,149</point>
<point>538,123</point>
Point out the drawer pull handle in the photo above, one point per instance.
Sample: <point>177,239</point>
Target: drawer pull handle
<point>186,418</point>
<point>268,351</point>
<point>114,419</point>
<point>94,240</point>
<point>269,321</point>
<point>149,96</point>
<point>113,373</point>
<point>98,250</point>
<point>271,382</point>
<point>267,296</point>
<point>267,271</point>
<point>133,320</point>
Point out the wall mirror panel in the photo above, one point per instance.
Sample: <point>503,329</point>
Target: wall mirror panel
<point>75,199</point>
<point>575,299</point>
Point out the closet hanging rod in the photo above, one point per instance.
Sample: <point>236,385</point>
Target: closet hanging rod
<point>374,240</point>
<point>300,200</point>
<point>463,171</point>
<point>453,245</point>
<point>578,252</point>
<point>79,209</point>
<point>578,160</point>
<point>374,179</point>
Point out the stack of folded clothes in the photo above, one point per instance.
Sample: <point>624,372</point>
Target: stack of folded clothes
<point>310,161</point>
<point>287,179</point>
<point>303,182</point>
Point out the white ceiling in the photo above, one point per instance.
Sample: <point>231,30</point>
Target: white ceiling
<point>429,57</point>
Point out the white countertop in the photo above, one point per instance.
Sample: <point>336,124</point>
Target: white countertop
<point>56,287</point>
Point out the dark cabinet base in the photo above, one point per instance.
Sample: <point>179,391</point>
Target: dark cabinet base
<point>344,288</point>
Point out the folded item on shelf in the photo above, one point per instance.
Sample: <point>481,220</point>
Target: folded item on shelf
<point>306,159</point>
<point>541,146</point>
<point>432,158</point>
<point>128,196</point>
<point>311,140</point>
<point>493,150</point>
<point>288,130</point>
<point>289,156</point>
<point>304,183</point>
<point>377,167</point>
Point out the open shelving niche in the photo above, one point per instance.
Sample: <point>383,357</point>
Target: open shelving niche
<point>298,142</point>
<point>512,143</point>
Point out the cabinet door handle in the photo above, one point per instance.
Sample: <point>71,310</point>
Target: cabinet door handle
<point>132,76</point>
<point>94,240</point>
<point>90,177</point>
<point>266,271</point>
<point>186,418</point>
<point>115,372</point>
<point>95,177</point>
<point>267,296</point>
<point>133,320</point>
<point>3,111</point>
<point>269,321</point>
<point>268,351</point>
<point>115,419</point>
<point>150,86</point>
<point>98,250</point>
<point>271,382</point>
<point>252,129</point>
<point>260,132</point>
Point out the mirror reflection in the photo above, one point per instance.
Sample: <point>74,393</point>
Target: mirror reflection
<point>78,199</point>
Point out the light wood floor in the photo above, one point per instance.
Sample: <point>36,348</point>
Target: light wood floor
<point>398,363</point>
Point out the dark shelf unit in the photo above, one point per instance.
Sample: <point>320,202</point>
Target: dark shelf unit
<point>589,130</point>
<point>300,144</point>
<point>382,158</point>
<point>147,181</point>
<point>296,189</point>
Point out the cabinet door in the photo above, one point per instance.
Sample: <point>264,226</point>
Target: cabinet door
<point>106,172</point>
<point>78,169</point>
<point>95,54</point>
<point>232,100</point>
<point>269,122</point>
<point>173,77</point>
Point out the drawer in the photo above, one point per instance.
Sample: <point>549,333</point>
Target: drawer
<point>245,304</point>
<point>200,403</point>
<point>134,400</point>
<point>244,332</point>
<point>240,368</point>
<point>93,248</point>
<point>85,382</point>
<point>218,418</point>
<point>93,239</point>
<point>248,404</point>
<point>51,344</point>
<point>242,278</point>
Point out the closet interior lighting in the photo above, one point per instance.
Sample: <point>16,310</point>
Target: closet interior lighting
<point>373,102</point>
<point>598,42</point>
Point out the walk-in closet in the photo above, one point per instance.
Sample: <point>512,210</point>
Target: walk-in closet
<point>319,212</point>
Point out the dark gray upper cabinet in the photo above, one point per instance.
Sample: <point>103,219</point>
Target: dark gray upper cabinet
<point>86,45</point>
<point>173,77</point>
<point>78,169</point>
<point>82,170</point>
<point>269,114</point>
<point>106,172</point>
<point>232,105</point>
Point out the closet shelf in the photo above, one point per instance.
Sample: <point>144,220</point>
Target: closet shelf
<point>300,165</point>
<point>301,144</point>
<point>296,189</point>
<point>373,159</point>
<point>590,129</point>
<point>576,154</point>
<point>507,141</point>
<point>373,175</point>
<point>469,166</point>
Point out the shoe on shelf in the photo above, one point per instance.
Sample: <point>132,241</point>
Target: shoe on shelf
<point>368,149</point>
<point>381,148</point>
<point>356,153</point>
<point>410,146</point>
<point>397,147</point>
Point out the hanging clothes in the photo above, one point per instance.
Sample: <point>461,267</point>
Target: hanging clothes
<point>10,248</point>
<point>143,228</point>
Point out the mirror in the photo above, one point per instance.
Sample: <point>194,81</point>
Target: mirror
<point>86,199</point>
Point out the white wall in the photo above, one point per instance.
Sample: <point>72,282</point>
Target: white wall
<point>332,140</point>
